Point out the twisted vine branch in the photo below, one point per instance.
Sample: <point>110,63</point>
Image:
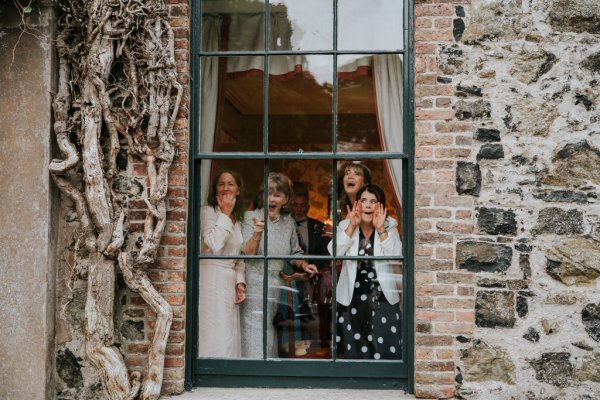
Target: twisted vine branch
<point>117,91</point>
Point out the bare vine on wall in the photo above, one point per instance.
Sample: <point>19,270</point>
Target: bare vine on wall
<point>117,95</point>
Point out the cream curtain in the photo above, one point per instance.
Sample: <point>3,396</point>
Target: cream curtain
<point>211,36</point>
<point>387,76</point>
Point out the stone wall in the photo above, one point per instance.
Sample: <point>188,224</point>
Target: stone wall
<point>134,320</point>
<point>507,215</point>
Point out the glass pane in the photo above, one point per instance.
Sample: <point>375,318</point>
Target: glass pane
<point>221,179</point>
<point>300,103</point>
<point>369,103</point>
<point>221,281</point>
<point>232,25</point>
<point>251,313</point>
<point>369,314</point>
<point>299,314</point>
<point>353,175</point>
<point>368,292</point>
<point>231,113</point>
<point>370,25</point>
<point>301,25</point>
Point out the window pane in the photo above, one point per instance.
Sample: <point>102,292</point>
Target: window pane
<point>370,103</point>
<point>299,322</point>
<point>231,25</point>
<point>222,280</point>
<point>370,25</point>
<point>386,174</point>
<point>231,116</point>
<point>301,25</point>
<point>220,178</point>
<point>300,103</point>
<point>369,309</point>
<point>251,313</point>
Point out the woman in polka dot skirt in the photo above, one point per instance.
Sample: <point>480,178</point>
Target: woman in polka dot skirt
<point>368,316</point>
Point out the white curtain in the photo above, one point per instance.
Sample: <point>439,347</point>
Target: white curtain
<point>387,74</point>
<point>246,32</point>
<point>211,36</point>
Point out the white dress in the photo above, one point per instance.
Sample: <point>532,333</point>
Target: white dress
<point>219,316</point>
<point>283,240</point>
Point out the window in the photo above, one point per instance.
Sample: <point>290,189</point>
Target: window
<point>301,177</point>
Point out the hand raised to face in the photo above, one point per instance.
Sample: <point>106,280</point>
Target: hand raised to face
<point>355,213</point>
<point>226,203</point>
<point>379,216</point>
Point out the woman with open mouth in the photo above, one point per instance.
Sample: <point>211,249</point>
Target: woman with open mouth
<point>282,239</point>
<point>368,314</point>
<point>354,176</point>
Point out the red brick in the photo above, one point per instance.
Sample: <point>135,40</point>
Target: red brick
<point>455,277</point>
<point>455,328</point>
<point>433,340</point>
<point>428,315</point>
<point>442,114</point>
<point>425,48</point>
<point>422,302</point>
<point>423,353</point>
<point>434,392</point>
<point>434,140</point>
<point>171,362</point>
<point>454,227</point>
<point>447,127</point>
<point>172,263</point>
<point>175,300</point>
<point>441,23</point>
<point>432,10</point>
<point>452,153</point>
<point>467,316</point>
<point>454,303</point>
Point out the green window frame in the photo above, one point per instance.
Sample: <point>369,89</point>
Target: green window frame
<point>331,373</point>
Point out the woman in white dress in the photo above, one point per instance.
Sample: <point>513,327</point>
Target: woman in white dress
<point>282,240</point>
<point>222,281</point>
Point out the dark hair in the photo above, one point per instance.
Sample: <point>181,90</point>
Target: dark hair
<point>373,189</point>
<point>300,189</point>
<point>212,194</point>
<point>360,169</point>
<point>277,182</point>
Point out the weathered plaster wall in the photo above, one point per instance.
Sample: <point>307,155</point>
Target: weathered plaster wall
<point>26,259</point>
<point>508,297</point>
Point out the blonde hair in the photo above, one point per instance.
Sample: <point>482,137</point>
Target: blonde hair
<point>277,182</point>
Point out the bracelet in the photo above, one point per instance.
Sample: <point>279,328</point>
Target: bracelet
<point>382,232</point>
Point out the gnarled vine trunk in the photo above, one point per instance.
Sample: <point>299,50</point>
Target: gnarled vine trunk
<point>117,93</point>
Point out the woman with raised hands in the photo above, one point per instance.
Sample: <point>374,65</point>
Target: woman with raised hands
<point>368,314</point>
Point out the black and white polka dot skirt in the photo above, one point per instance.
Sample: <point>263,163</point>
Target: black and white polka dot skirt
<point>370,327</point>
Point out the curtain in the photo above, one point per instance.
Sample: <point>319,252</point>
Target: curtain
<point>387,78</point>
<point>211,36</point>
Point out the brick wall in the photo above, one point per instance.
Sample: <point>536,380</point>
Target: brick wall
<point>444,296</point>
<point>169,275</point>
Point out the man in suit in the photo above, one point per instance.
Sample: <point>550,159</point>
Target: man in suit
<point>310,237</point>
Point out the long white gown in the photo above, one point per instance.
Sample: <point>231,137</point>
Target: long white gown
<point>219,316</point>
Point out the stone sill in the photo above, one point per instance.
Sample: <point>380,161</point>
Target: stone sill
<point>289,394</point>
